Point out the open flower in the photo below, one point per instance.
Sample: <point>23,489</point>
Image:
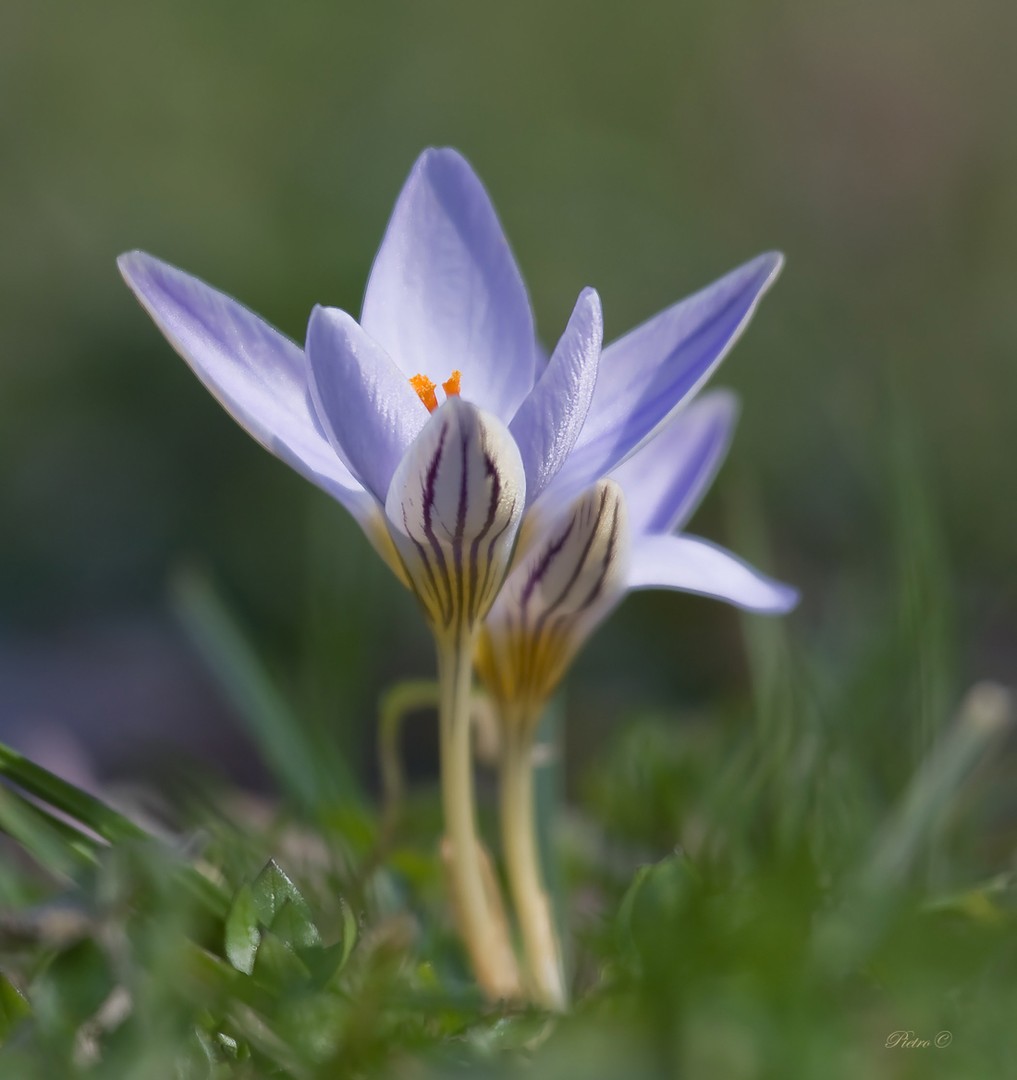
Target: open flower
<point>436,422</point>
<point>437,478</point>
<point>445,316</point>
<point>618,535</point>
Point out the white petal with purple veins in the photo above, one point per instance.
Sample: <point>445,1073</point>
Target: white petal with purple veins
<point>454,507</point>
<point>563,588</point>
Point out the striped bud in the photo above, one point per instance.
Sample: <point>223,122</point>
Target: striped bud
<point>565,585</point>
<point>453,507</point>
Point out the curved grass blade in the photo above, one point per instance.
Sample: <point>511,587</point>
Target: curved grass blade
<point>311,774</point>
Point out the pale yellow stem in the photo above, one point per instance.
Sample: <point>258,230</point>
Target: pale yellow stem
<point>484,933</point>
<point>522,859</point>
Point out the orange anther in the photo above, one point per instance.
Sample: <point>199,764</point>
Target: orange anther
<point>425,388</point>
<point>425,391</point>
<point>451,384</point>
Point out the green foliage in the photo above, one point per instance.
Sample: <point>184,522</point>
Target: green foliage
<point>269,922</point>
<point>735,910</point>
<point>14,1007</point>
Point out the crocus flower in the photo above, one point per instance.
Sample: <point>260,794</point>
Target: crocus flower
<point>616,536</point>
<point>620,534</point>
<point>436,422</point>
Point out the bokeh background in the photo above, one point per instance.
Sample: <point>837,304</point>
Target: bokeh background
<point>644,149</point>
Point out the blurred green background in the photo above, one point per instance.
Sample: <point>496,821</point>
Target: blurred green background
<point>643,149</point>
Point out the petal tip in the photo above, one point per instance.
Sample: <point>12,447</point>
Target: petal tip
<point>316,326</point>
<point>722,401</point>
<point>782,600</point>
<point>589,305</point>
<point>441,162</point>
<point>589,299</point>
<point>773,263</point>
<point>791,597</point>
<point>127,257</point>
<point>325,318</point>
<point>132,264</point>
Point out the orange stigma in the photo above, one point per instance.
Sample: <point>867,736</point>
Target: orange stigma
<point>425,389</point>
<point>451,384</point>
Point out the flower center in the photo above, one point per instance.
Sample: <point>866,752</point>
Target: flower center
<point>425,388</point>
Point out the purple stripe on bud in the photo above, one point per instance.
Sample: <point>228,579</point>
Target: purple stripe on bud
<point>563,588</point>
<point>454,506</point>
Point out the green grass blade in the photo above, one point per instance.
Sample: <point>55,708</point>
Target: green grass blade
<point>984,715</point>
<point>309,776</point>
<point>55,845</point>
<point>845,937</point>
<point>78,804</point>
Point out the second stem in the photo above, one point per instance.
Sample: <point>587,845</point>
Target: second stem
<point>522,858</point>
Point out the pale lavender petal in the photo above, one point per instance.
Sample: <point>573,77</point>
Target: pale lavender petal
<point>369,411</point>
<point>445,293</point>
<point>454,506</point>
<point>549,420</point>
<point>665,479</point>
<point>648,373</point>
<point>697,566</point>
<point>256,374</point>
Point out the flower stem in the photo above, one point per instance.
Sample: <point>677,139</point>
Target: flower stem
<point>519,840</point>
<point>484,933</point>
